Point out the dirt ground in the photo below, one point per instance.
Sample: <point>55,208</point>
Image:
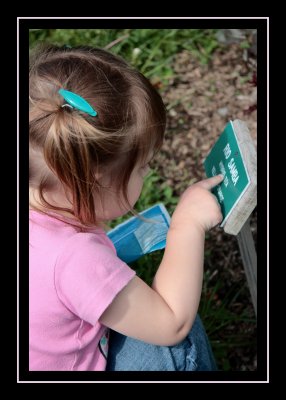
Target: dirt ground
<point>200,101</point>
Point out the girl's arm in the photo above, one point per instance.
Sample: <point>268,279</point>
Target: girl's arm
<point>164,314</point>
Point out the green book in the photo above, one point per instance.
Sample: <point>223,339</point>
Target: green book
<point>225,158</point>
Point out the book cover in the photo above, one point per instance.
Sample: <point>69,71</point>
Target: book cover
<point>136,237</point>
<point>226,158</point>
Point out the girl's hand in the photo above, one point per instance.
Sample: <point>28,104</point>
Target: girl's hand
<point>198,206</point>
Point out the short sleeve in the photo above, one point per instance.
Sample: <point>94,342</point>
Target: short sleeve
<point>88,275</point>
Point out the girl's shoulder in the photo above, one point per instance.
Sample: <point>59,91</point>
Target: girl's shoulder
<point>54,227</point>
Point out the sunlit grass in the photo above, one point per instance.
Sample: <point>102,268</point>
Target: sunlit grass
<point>149,50</point>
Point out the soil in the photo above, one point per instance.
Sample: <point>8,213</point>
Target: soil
<point>200,100</point>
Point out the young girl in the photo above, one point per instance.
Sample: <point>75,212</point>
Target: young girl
<point>95,124</point>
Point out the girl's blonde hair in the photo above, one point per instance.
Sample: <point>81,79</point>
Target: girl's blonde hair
<point>75,146</point>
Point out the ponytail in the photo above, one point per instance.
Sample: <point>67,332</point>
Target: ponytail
<point>67,153</point>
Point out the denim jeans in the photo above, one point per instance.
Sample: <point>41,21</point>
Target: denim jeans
<point>192,354</point>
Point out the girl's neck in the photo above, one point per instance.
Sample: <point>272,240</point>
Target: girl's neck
<point>55,200</point>
<point>36,205</point>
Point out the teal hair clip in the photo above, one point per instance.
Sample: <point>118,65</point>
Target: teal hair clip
<point>77,102</point>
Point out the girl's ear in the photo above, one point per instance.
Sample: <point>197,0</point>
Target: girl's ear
<point>99,174</point>
<point>104,175</point>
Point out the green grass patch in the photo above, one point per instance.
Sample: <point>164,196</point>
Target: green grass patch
<point>150,50</point>
<point>216,311</point>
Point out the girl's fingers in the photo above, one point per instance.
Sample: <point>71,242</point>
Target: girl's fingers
<point>211,182</point>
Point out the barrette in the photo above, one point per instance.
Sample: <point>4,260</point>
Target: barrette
<point>76,101</point>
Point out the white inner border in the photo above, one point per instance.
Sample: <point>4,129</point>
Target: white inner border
<point>147,18</point>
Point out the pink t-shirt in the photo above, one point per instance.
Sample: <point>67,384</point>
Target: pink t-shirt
<point>73,277</point>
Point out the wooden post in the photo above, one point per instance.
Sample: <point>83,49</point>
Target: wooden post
<point>234,156</point>
<point>249,259</point>
<point>238,221</point>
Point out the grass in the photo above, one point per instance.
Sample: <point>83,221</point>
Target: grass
<point>149,50</point>
<point>221,320</point>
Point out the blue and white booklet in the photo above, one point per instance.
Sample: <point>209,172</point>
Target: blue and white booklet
<point>135,237</point>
